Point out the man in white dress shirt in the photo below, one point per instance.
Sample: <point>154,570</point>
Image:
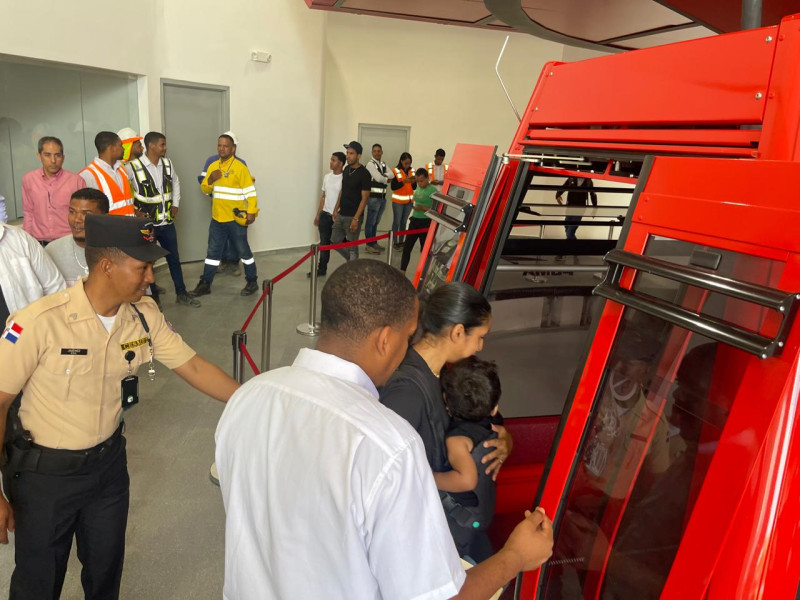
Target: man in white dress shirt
<point>328,494</point>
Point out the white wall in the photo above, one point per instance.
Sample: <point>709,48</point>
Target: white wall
<point>328,73</point>
<point>437,79</point>
<point>276,108</point>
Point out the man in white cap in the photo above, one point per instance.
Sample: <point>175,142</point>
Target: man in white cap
<point>230,259</point>
<point>131,144</point>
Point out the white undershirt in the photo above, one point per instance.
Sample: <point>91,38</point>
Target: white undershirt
<point>108,322</point>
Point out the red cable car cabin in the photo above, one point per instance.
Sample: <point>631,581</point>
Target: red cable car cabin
<point>674,468</point>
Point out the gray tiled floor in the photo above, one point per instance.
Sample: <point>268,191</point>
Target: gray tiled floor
<point>176,523</point>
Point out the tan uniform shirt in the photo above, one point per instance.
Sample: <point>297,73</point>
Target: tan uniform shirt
<point>69,367</point>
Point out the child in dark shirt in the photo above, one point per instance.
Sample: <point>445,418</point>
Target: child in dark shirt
<point>472,393</point>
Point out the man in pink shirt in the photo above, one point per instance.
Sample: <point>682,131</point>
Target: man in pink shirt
<point>46,193</point>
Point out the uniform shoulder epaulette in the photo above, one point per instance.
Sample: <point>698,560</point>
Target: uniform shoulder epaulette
<point>42,305</point>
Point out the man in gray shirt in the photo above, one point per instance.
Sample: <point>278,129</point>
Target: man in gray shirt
<point>68,252</point>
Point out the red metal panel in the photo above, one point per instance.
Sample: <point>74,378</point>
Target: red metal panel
<point>781,117</point>
<point>716,137</point>
<point>645,149</point>
<point>725,199</point>
<point>665,84</point>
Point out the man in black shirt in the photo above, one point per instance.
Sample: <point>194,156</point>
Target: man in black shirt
<point>356,183</point>
<point>580,189</point>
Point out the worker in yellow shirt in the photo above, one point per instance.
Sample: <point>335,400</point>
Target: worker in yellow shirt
<point>234,207</point>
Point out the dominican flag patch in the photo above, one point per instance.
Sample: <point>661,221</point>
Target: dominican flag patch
<point>12,332</point>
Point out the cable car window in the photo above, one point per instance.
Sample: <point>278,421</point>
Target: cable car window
<point>445,242</point>
<point>661,406</point>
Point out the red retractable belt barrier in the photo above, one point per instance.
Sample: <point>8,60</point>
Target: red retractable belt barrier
<point>297,264</point>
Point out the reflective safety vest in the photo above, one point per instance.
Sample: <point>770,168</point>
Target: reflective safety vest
<point>156,205</point>
<point>378,189</point>
<point>405,194</point>
<point>120,201</point>
<point>430,167</point>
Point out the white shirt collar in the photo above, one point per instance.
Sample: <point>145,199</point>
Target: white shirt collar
<point>104,165</point>
<point>333,366</point>
<point>147,162</point>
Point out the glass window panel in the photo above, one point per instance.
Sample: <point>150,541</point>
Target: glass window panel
<point>69,103</point>
<point>655,425</point>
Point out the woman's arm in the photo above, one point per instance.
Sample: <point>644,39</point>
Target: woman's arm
<point>503,444</point>
<point>464,476</point>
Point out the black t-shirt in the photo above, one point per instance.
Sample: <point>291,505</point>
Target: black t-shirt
<point>414,393</point>
<point>354,181</point>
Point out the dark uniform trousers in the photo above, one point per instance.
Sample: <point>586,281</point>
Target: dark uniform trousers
<point>52,504</point>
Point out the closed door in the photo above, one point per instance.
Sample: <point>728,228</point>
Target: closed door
<point>194,117</point>
<point>394,140</point>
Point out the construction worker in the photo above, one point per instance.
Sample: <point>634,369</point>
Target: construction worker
<point>437,169</point>
<point>230,260</point>
<point>403,186</point>
<point>157,194</point>
<point>231,187</point>
<point>106,173</point>
<point>131,144</point>
<point>381,175</point>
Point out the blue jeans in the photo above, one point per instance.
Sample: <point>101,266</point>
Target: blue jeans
<point>375,208</point>
<point>218,234</point>
<point>168,238</point>
<point>229,253</point>
<point>572,228</point>
<point>400,213</point>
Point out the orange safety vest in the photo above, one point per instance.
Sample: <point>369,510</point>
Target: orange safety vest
<point>405,194</point>
<point>120,201</point>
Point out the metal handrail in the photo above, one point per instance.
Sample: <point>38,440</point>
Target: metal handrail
<point>785,303</point>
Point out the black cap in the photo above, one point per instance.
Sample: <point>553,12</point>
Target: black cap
<point>133,235</point>
<point>355,146</point>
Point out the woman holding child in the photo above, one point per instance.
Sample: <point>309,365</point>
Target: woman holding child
<point>453,323</point>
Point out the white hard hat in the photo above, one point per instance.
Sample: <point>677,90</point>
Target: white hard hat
<point>232,135</point>
<point>126,134</point>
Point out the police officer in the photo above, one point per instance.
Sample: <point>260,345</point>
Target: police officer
<point>75,355</point>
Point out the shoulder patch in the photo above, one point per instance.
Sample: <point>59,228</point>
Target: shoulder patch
<point>12,332</point>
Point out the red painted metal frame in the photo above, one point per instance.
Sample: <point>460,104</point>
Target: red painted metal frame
<point>690,99</point>
<point>468,168</point>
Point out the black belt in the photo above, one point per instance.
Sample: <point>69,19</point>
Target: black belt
<point>49,460</point>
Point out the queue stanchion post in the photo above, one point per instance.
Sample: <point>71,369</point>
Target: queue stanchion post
<point>239,337</point>
<point>390,249</point>
<point>311,329</point>
<point>266,324</point>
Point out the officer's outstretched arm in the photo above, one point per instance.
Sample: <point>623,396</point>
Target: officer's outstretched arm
<point>208,378</point>
<point>6,514</point>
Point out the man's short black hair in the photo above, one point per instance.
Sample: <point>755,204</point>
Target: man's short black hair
<point>364,295</point>
<point>153,138</point>
<point>92,195</point>
<point>440,152</point>
<point>471,388</point>
<point>104,139</point>
<point>340,157</point>
<point>49,139</point>
<point>421,171</point>
<point>94,255</point>
<point>377,146</point>
<point>225,135</point>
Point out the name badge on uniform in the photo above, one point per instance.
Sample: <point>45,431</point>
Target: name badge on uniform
<point>133,344</point>
<point>74,351</point>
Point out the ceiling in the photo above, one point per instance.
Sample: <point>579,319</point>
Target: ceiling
<point>609,25</point>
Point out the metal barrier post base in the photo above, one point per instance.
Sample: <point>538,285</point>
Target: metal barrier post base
<point>308,329</point>
<point>311,329</point>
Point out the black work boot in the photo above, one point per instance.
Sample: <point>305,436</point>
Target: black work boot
<point>202,288</point>
<point>250,288</point>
